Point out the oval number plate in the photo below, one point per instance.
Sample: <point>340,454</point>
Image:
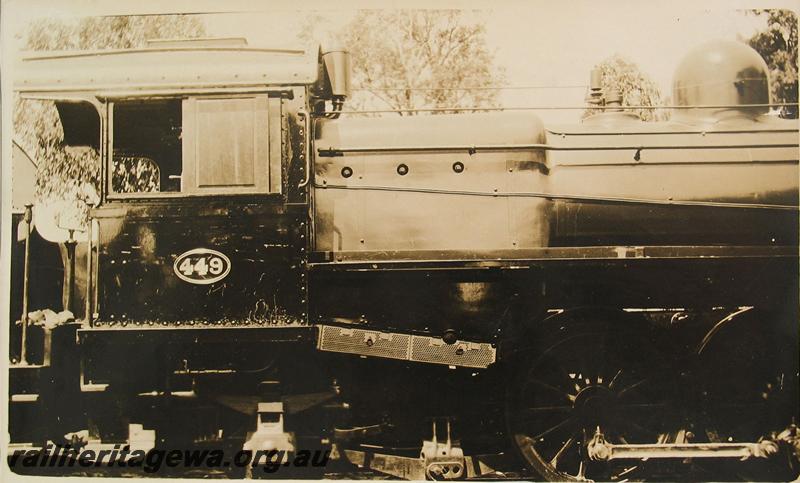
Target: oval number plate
<point>202,266</point>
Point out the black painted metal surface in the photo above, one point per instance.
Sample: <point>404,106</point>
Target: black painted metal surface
<point>140,242</point>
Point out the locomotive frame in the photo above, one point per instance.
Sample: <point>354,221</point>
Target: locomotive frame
<point>548,315</point>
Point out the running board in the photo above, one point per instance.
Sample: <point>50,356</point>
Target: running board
<point>416,348</point>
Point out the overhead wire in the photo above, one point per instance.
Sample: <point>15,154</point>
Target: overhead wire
<point>564,108</point>
<point>471,88</point>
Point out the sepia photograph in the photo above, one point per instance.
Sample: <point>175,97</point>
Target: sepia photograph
<point>456,240</point>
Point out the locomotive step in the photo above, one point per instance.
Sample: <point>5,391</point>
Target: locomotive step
<point>25,379</point>
<point>24,398</point>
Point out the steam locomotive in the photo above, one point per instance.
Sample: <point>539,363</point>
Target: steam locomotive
<point>608,300</point>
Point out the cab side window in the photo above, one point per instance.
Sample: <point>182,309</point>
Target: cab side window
<point>194,145</point>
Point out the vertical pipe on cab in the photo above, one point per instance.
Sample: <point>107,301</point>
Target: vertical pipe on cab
<point>88,298</point>
<point>27,218</point>
<point>70,271</point>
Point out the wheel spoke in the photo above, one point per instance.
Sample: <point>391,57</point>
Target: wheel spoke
<point>560,425</point>
<point>561,392</point>
<point>633,386</point>
<point>559,378</point>
<point>625,421</point>
<point>629,407</point>
<point>614,379</point>
<point>624,472</point>
<point>560,452</point>
<point>536,413</point>
<point>549,409</point>
<point>565,376</point>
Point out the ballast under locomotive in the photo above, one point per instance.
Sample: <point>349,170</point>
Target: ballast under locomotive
<point>604,300</point>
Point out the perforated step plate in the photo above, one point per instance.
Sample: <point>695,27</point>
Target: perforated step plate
<point>417,348</point>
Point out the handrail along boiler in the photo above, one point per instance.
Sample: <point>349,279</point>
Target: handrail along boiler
<point>606,299</point>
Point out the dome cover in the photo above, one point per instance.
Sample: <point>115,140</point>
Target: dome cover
<point>722,73</point>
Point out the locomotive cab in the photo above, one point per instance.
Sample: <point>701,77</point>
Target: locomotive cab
<point>198,141</point>
<point>197,241</point>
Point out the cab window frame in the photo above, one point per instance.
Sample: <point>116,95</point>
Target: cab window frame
<point>271,163</point>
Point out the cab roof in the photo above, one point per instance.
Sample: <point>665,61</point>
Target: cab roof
<point>163,68</point>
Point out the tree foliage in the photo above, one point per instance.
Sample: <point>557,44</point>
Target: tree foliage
<point>413,59</point>
<point>635,87</point>
<point>778,46</point>
<point>69,172</point>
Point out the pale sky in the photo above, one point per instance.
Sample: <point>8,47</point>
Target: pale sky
<point>554,43</point>
<point>537,43</point>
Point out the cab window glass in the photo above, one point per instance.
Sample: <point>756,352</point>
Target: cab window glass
<point>147,147</point>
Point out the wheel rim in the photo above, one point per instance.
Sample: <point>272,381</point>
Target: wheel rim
<point>742,376</point>
<point>598,378</point>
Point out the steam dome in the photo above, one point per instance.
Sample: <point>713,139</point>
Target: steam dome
<point>725,73</point>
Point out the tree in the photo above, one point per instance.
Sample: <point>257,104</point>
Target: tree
<point>412,59</point>
<point>70,174</point>
<point>119,32</point>
<point>778,46</point>
<point>635,87</point>
<point>74,173</point>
